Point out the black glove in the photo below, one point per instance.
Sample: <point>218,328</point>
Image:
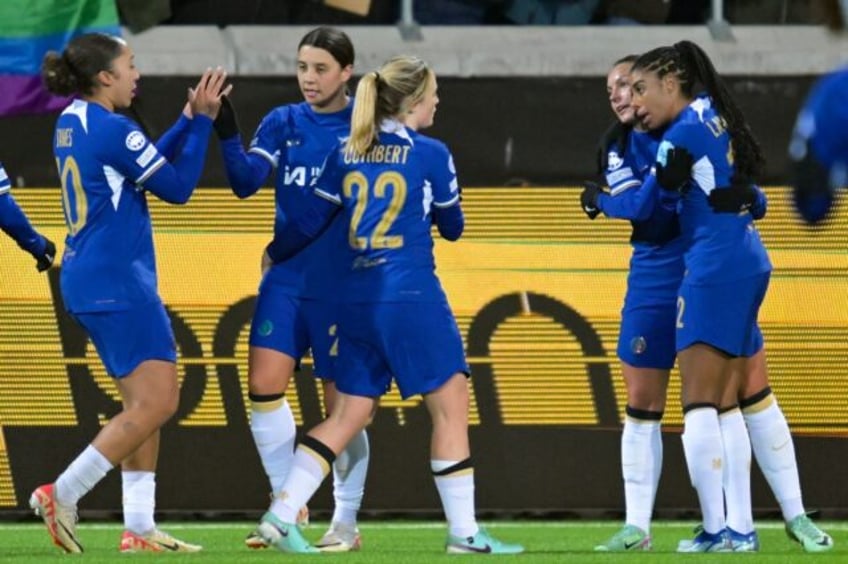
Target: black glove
<point>589,198</point>
<point>615,137</point>
<point>226,123</point>
<point>811,190</point>
<point>677,171</point>
<point>738,198</point>
<point>45,259</point>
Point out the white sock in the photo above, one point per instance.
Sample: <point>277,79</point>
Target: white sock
<point>81,476</point>
<point>775,453</point>
<point>737,471</point>
<point>705,458</point>
<point>139,501</point>
<point>641,462</point>
<point>305,476</point>
<point>349,471</point>
<point>273,428</point>
<point>455,483</point>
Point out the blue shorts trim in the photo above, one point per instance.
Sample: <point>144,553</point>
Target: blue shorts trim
<point>416,344</point>
<point>723,315</point>
<point>293,326</point>
<point>126,338</point>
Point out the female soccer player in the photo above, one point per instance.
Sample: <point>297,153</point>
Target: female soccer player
<point>625,164</point>
<point>394,319</point>
<point>646,337</point>
<point>706,146</point>
<point>819,148</point>
<point>296,308</point>
<point>15,223</point>
<point>106,165</point>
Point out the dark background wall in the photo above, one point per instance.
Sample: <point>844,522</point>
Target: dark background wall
<point>537,131</point>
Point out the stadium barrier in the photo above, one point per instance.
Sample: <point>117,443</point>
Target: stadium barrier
<point>537,291</point>
<point>538,131</point>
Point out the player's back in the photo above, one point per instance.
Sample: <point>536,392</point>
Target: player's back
<point>720,246</point>
<point>387,195</point>
<point>109,261</point>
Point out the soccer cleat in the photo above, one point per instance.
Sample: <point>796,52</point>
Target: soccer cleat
<point>156,541</point>
<point>61,520</point>
<point>285,537</point>
<point>629,538</point>
<point>341,537</point>
<point>743,542</point>
<point>803,530</point>
<point>255,541</point>
<point>706,542</point>
<point>481,543</point>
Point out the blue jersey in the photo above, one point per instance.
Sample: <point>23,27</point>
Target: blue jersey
<point>656,266</point>
<point>296,140</point>
<point>823,123</point>
<point>14,222</point>
<point>387,196</point>
<point>5,184</point>
<point>721,247</point>
<point>103,158</point>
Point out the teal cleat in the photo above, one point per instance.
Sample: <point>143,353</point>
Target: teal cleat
<point>629,539</point>
<point>803,530</point>
<point>285,537</point>
<point>744,542</point>
<point>706,542</point>
<point>480,543</point>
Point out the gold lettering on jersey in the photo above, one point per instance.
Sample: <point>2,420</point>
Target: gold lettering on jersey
<point>64,137</point>
<point>716,125</point>
<point>385,154</point>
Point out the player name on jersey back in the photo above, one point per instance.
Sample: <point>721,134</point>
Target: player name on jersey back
<point>388,154</point>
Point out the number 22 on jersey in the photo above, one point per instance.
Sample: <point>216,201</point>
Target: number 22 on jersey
<point>74,202</point>
<point>356,186</point>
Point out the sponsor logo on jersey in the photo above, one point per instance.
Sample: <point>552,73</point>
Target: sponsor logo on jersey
<point>144,159</point>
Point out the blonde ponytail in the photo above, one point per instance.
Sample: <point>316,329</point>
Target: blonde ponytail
<point>388,93</point>
<point>363,122</point>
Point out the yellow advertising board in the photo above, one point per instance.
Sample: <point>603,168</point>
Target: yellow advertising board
<point>536,287</point>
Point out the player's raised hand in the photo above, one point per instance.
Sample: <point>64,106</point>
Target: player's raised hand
<point>205,97</point>
<point>226,124</point>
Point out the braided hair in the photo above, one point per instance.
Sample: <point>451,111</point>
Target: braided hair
<point>695,73</point>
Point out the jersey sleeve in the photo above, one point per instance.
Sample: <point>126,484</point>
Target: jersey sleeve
<point>696,138</point>
<point>328,184</point>
<point>270,134</point>
<point>619,174</point>
<point>442,177</point>
<point>5,183</point>
<point>127,149</point>
<point>827,121</point>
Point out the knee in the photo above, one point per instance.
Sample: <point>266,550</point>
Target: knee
<point>162,407</point>
<point>265,382</point>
